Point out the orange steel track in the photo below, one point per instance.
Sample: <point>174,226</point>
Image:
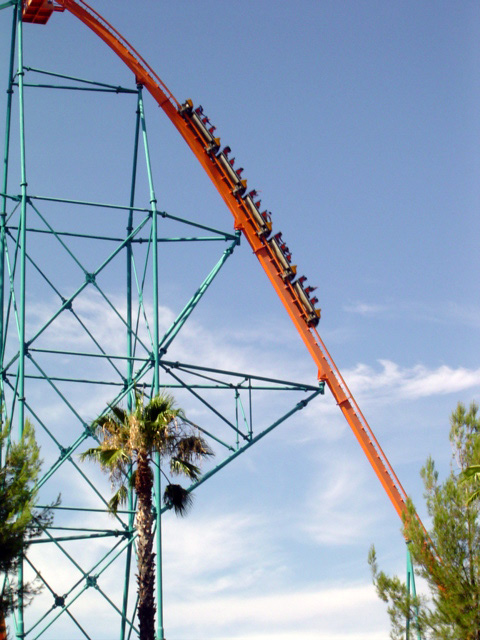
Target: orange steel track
<point>185,124</point>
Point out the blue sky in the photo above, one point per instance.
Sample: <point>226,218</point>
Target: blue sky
<point>358,123</point>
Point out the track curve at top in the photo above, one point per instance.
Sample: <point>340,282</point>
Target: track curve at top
<point>256,226</point>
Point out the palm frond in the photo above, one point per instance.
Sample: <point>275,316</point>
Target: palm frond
<point>180,466</point>
<point>161,409</point>
<point>107,458</point>
<point>119,497</point>
<point>177,498</point>
<point>91,454</point>
<point>105,424</point>
<point>114,457</point>
<point>192,447</point>
<point>119,413</point>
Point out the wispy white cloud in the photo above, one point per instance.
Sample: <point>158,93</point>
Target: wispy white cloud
<point>225,572</point>
<point>393,382</point>
<point>305,614</point>
<point>448,312</point>
<point>465,314</point>
<point>367,309</point>
<point>337,507</point>
<point>212,553</point>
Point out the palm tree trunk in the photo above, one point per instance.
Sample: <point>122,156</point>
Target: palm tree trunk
<point>3,626</point>
<point>146,564</point>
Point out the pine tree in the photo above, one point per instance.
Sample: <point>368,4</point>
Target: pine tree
<point>20,522</point>
<point>448,556</point>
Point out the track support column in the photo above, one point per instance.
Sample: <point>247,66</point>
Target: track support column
<point>411,590</point>
<point>20,633</point>
<point>156,371</point>
<point>130,353</point>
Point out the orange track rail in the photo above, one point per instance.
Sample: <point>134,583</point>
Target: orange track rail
<point>185,123</point>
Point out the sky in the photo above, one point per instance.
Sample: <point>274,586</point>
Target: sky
<point>358,124</point>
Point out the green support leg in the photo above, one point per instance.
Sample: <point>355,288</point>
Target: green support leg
<point>411,590</point>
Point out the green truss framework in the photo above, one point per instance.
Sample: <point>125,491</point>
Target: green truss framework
<point>54,356</point>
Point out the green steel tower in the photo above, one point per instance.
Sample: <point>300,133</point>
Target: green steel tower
<point>85,323</point>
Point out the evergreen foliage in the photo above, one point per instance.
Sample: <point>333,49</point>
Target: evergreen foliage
<point>20,522</point>
<point>448,556</point>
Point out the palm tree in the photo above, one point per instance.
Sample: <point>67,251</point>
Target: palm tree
<point>128,442</point>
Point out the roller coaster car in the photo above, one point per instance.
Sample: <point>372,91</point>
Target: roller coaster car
<point>240,188</point>
<point>263,222</point>
<point>186,107</point>
<point>201,124</point>
<point>238,185</point>
<point>312,314</point>
<point>288,271</point>
<point>213,147</point>
<point>39,11</point>
<point>267,218</point>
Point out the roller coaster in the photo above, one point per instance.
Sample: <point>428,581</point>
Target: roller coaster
<point>247,219</point>
<point>256,224</point>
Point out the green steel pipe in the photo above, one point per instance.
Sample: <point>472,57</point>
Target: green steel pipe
<point>71,234</point>
<point>193,302</point>
<point>250,433</point>
<point>254,440</point>
<point>3,210</point>
<point>23,235</point>
<point>207,404</point>
<point>75,621</point>
<point>67,88</point>
<point>67,303</point>
<point>87,574</point>
<point>79,320</point>
<point>247,376</point>
<point>59,546</point>
<point>114,606</point>
<point>91,536</point>
<point>88,529</point>
<point>85,509</point>
<point>65,352</point>
<point>156,371</point>
<point>411,589</point>
<point>154,236</point>
<point>237,427</point>
<point>197,225</point>
<point>88,203</point>
<point>224,237</point>
<point>22,352</point>
<point>53,74</point>
<point>130,361</point>
<point>245,421</point>
<point>116,312</point>
<point>131,628</point>
<point>210,435</point>
<point>86,585</point>
<point>63,609</point>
